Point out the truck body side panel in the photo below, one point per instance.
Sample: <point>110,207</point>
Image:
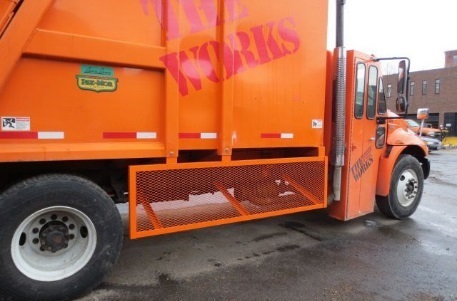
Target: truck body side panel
<point>7,10</point>
<point>18,33</point>
<point>149,78</point>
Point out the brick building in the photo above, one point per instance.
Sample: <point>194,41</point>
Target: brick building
<point>434,89</point>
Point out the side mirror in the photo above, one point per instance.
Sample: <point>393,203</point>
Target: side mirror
<point>401,104</point>
<point>402,87</point>
<point>402,78</point>
<point>422,113</point>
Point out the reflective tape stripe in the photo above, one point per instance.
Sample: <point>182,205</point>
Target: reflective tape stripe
<point>146,135</point>
<point>270,135</point>
<point>51,135</point>
<point>208,136</point>
<point>129,135</point>
<point>189,135</point>
<point>119,135</point>
<point>18,135</point>
<point>32,135</point>
<point>277,135</point>
<point>198,135</point>
<point>287,136</point>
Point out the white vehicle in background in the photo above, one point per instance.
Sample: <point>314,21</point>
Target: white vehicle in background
<point>432,143</point>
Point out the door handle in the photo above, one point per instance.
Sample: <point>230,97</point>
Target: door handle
<point>372,138</point>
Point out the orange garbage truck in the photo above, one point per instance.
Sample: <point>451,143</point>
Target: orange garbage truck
<point>197,113</point>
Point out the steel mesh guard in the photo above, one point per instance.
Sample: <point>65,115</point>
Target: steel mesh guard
<point>166,199</point>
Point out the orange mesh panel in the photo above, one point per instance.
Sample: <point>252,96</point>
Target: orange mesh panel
<point>178,199</point>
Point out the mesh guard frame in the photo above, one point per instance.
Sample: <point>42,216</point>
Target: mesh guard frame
<point>167,198</point>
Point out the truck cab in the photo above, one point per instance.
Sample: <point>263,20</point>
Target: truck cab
<point>377,143</point>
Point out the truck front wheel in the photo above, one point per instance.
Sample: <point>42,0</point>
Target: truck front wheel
<point>406,188</point>
<point>60,235</point>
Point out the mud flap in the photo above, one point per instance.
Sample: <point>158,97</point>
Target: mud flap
<point>425,163</point>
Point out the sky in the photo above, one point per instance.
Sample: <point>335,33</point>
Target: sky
<point>419,29</point>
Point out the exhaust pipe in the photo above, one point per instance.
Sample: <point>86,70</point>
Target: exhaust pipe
<point>339,137</point>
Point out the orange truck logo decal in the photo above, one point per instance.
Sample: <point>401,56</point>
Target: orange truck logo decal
<point>242,50</point>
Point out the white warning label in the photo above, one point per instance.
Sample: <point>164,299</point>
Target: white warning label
<point>317,123</point>
<point>15,123</point>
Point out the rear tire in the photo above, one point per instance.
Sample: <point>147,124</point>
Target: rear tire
<point>60,234</point>
<point>406,189</point>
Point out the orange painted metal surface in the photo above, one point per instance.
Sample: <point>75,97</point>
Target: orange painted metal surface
<point>185,75</point>
<point>7,8</point>
<point>242,79</point>
<point>400,138</point>
<point>19,31</point>
<point>368,169</point>
<point>165,199</point>
<point>362,157</point>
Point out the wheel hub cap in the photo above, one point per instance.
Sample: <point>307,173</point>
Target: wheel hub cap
<point>407,188</point>
<point>54,236</point>
<point>53,243</point>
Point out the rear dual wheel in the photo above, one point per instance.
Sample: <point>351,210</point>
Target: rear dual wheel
<point>406,189</point>
<point>60,235</point>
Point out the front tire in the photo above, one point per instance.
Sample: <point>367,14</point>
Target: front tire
<point>406,189</point>
<point>60,235</point>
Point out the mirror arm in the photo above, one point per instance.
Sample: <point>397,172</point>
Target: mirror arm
<point>392,59</point>
<point>382,120</point>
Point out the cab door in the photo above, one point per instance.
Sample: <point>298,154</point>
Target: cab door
<point>363,151</point>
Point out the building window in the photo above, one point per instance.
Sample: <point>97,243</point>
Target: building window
<point>389,90</point>
<point>424,87</point>
<point>437,86</point>
<point>411,88</point>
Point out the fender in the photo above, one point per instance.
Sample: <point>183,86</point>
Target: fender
<point>386,166</point>
<point>399,142</point>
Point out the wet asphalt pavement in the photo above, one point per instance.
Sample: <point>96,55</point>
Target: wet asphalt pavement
<point>306,256</point>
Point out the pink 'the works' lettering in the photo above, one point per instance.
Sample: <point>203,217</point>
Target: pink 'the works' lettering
<point>198,15</point>
<point>241,51</point>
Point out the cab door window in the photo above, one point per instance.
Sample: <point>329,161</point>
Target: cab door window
<point>382,105</point>
<point>372,92</point>
<point>359,90</point>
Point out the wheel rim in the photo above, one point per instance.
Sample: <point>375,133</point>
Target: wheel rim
<point>53,243</point>
<point>407,187</point>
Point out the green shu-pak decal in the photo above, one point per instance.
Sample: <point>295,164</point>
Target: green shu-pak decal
<point>97,79</point>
